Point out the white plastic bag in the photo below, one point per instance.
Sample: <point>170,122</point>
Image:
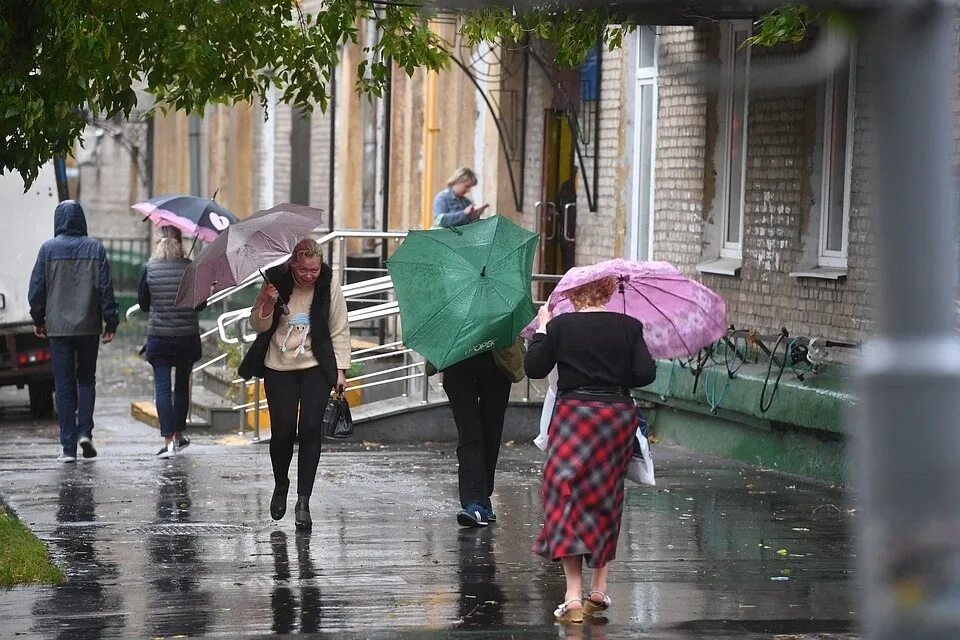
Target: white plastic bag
<point>546,414</point>
<point>640,470</point>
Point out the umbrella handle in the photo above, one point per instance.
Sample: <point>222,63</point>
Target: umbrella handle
<point>284,309</point>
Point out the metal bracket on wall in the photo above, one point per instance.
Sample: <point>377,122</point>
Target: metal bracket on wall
<point>501,77</point>
<point>584,118</point>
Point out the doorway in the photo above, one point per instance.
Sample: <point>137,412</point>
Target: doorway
<point>557,210</point>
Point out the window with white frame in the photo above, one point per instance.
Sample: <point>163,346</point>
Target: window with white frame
<point>645,125</point>
<point>724,251</point>
<point>836,159</point>
<point>735,60</point>
<point>826,237</point>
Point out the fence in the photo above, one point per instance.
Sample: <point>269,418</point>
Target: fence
<point>127,257</point>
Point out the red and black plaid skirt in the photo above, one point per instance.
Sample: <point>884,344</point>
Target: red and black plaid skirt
<point>589,448</point>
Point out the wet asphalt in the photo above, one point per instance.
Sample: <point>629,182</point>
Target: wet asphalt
<point>186,547</point>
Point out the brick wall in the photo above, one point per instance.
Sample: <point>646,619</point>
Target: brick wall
<point>257,170</point>
<point>283,125</point>
<point>539,97</point>
<point>600,233</point>
<point>109,184</point>
<point>320,160</point>
<point>681,150</point>
<point>779,183</point>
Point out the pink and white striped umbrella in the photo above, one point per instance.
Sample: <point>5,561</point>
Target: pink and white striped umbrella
<point>680,316</point>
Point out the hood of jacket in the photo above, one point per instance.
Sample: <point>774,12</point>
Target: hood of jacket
<point>69,219</point>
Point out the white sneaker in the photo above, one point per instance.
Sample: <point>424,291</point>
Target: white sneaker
<point>86,446</point>
<point>65,458</point>
<point>167,451</point>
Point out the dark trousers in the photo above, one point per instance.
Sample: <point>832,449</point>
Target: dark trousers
<point>173,402</point>
<point>478,392</point>
<point>74,361</point>
<point>306,390</point>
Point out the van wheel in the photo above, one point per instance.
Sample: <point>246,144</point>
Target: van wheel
<point>41,400</point>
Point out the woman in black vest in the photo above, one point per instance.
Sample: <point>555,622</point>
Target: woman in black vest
<point>173,338</point>
<point>302,351</point>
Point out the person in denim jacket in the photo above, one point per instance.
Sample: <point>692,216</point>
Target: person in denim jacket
<point>452,207</point>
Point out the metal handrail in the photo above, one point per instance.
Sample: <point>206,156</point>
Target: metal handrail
<point>377,374</point>
<point>230,318</point>
<point>361,233</point>
<point>388,345</point>
<point>358,291</point>
<point>375,312</point>
<point>355,292</point>
<point>248,407</point>
<point>342,234</point>
<point>384,310</point>
<point>381,356</point>
<point>364,287</point>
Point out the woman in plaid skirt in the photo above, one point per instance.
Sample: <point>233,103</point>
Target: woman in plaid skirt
<point>599,357</point>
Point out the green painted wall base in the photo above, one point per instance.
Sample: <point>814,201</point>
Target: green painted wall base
<point>802,432</point>
<point>790,451</point>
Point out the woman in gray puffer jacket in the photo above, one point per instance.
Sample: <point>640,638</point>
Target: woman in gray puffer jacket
<point>173,338</point>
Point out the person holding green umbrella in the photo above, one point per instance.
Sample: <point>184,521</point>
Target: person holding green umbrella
<point>464,295</point>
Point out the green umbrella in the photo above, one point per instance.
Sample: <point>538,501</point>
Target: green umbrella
<point>464,290</point>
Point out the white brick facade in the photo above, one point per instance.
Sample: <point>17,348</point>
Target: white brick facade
<point>110,182</point>
<point>600,233</point>
<point>780,136</point>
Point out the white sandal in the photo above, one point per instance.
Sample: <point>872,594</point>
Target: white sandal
<point>564,614</point>
<point>591,606</point>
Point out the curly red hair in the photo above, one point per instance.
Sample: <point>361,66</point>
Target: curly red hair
<point>593,294</point>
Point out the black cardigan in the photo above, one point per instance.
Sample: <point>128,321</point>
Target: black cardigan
<point>282,278</point>
<point>592,350</point>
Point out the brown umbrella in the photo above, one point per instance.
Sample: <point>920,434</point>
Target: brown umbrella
<point>244,248</point>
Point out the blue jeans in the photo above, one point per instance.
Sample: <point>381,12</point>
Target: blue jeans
<point>173,404</point>
<point>74,361</point>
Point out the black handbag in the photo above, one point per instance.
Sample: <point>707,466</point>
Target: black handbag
<point>337,422</point>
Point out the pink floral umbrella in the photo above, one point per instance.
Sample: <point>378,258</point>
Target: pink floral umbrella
<point>680,316</point>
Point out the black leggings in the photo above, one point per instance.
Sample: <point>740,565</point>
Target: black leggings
<point>288,391</point>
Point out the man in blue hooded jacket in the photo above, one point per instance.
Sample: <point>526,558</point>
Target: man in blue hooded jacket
<point>72,304</point>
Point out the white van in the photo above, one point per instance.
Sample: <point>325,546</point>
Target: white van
<point>26,220</point>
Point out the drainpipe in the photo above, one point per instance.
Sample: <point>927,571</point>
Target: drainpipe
<point>268,151</point>
<point>385,162</point>
<point>431,131</point>
<point>332,184</point>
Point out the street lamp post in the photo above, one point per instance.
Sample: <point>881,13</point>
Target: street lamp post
<point>908,417</point>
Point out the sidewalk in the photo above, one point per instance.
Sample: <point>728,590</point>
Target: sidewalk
<point>186,547</point>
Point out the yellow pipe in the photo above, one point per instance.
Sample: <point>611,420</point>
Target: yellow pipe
<point>431,130</point>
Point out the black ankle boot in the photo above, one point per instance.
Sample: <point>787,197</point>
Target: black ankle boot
<point>278,503</point>
<point>301,513</point>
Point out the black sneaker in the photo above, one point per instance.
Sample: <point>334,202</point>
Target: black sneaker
<point>87,448</point>
<point>183,442</point>
<point>167,451</point>
<point>473,515</point>
<point>489,515</point>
